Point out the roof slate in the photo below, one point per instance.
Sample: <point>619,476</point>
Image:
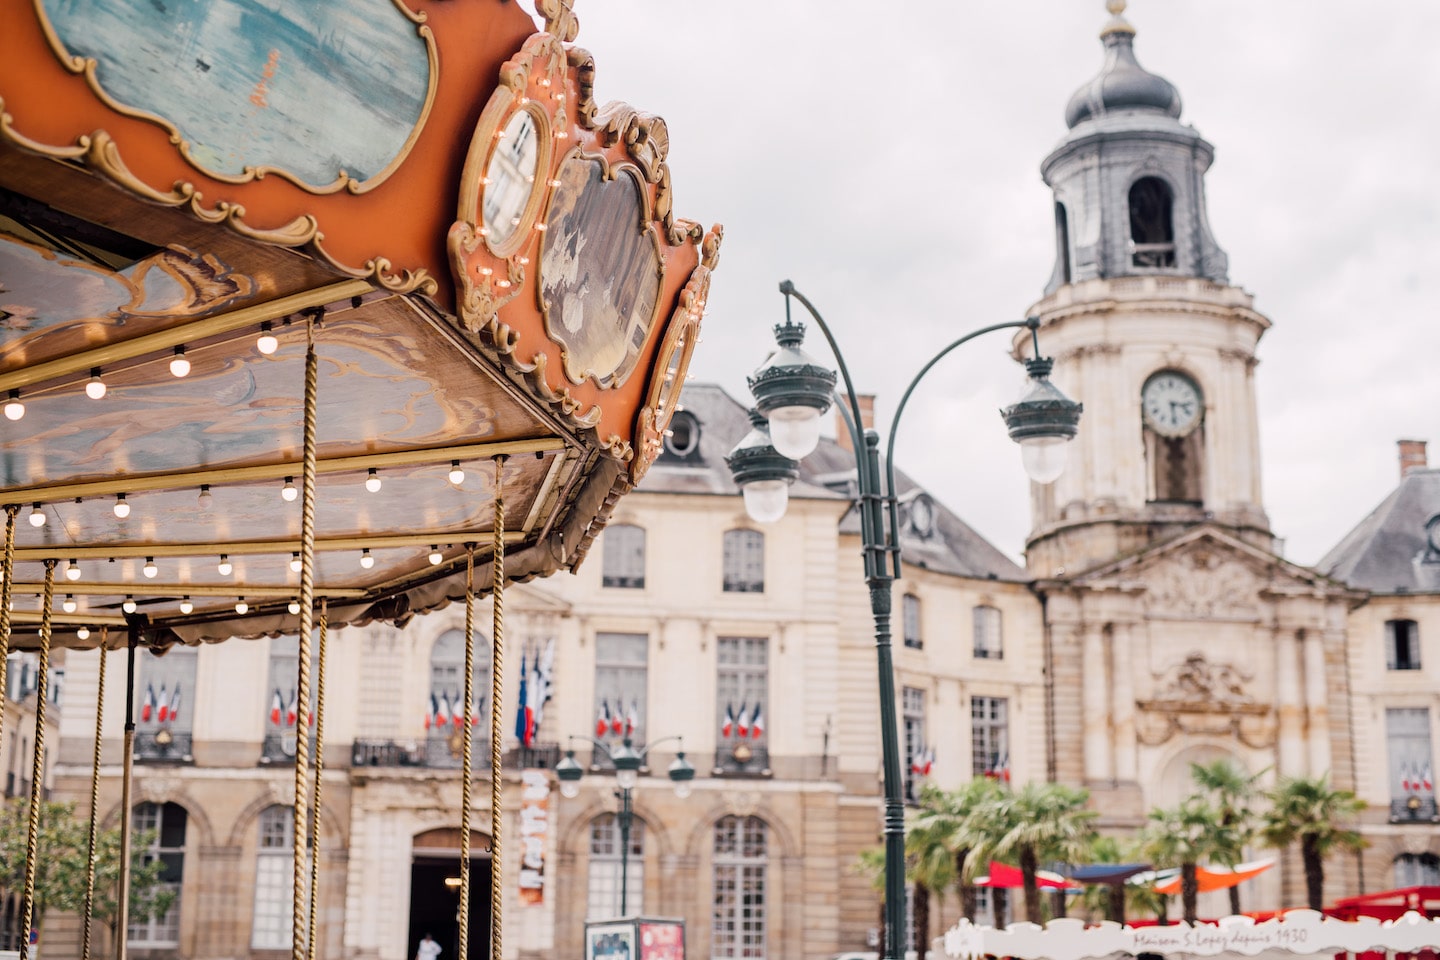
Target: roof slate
<point>1385,552</point>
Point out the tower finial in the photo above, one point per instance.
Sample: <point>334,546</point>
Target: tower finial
<point>1118,23</point>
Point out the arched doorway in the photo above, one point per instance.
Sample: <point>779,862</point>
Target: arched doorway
<point>435,892</point>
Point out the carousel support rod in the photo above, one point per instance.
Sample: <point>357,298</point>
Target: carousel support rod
<point>127,781</point>
<point>463,950</point>
<point>319,773</point>
<point>37,770</point>
<point>7,572</point>
<point>497,677</point>
<point>89,909</point>
<point>307,620</point>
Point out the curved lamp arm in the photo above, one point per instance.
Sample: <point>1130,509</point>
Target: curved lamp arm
<point>642,752</point>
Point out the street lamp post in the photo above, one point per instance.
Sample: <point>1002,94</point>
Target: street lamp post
<point>627,761</point>
<point>792,391</point>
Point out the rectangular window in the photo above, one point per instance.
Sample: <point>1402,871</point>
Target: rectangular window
<point>1402,645</point>
<point>989,644</point>
<point>274,863</point>
<point>910,606</point>
<point>912,710</point>
<point>1412,777</point>
<point>623,557</point>
<point>166,694</point>
<point>603,894</point>
<point>989,737</point>
<point>742,686</point>
<point>620,682</point>
<point>744,561</point>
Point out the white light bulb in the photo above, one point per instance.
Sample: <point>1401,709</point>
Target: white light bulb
<point>69,606</point>
<point>14,409</point>
<point>457,476</point>
<point>83,633</point>
<point>206,498</point>
<point>95,389</point>
<point>225,567</point>
<point>766,500</point>
<point>372,482</point>
<point>295,562</point>
<point>37,516</point>
<point>241,606</point>
<point>288,492</point>
<point>795,431</point>
<point>72,571</point>
<point>1043,458</point>
<point>683,789</point>
<point>129,605</point>
<point>569,789</point>
<point>366,560</point>
<point>267,343</point>
<point>185,605</point>
<point>122,507</point>
<point>294,607</point>
<point>436,557</point>
<point>180,366</point>
<point>150,570</point>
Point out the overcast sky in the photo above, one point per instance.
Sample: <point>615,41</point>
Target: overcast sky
<point>885,157</point>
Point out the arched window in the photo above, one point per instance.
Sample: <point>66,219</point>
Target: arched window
<point>738,924</point>
<point>274,863</point>
<point>1062,244</point>
<point>1152,226</point>
<point>623,563</point>
<point>744,561</point>
<point>165,825</point>
<point>446,703</point>
<point>603,895</point>
<point>1417,870</point>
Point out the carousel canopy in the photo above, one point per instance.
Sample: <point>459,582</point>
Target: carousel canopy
<point>289,293</point>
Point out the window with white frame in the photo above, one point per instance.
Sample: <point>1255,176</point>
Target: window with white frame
<point>622,564</point>
<point>1407,733</point>
<point>738,923</point>
<point>274,866</point>
<point>1402,645</point>
<point>165,825</point>
<point>621,677</point>
<point>990,737</point>
<point>446,701</point>
<point>603,893</point>
<point>989,644</point>
<point>912,712</point>
<point>1417,870</point>
<point>167,691</point>
<point>742,686</point>
<point>910,617</point>
<point>744,561</point>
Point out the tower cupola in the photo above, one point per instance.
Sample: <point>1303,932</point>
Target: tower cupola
<point>1122,84</point>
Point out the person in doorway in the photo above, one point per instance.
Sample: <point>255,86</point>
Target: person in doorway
<point>428,949</point>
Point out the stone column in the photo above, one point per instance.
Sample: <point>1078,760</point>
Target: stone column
<point>1067,681</point>
<point>1289,705</point>
<point>1099,758</point>
<point>1122,659</point>
<point>1317,713</point>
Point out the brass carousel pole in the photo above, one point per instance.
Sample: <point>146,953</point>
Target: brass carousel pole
<point>307,615</point>
<point>7,575</point>
<point>89,910</point>
<point>463,949</point>
<point>37,765</point>
<point>127,780</point>
<point>319,772</point>
<point>497,678</point>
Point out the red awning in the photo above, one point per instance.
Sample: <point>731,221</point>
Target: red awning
<point>1004,875</point>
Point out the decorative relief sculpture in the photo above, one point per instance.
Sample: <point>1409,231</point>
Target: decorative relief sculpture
<point>1197,697</point>
<point>1202,585</point>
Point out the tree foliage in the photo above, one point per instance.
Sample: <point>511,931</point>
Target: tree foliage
<point>1308,811</point>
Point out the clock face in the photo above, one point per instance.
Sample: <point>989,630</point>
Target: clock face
<point>1171,404</point>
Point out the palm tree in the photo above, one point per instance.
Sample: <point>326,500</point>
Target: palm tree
<point>1307,810</point>
<point>930,867</point>
<point>1180,836</point>
<point>957,816</point>
<point>1230,788</point>
<point>1040,822</point>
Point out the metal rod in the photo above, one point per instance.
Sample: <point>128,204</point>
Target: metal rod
<point>37,772</point>
<point>127,778</point>
<point>7,580</point>
<point>497,596</point>
<point>307,615</point>
<point>463,949</point>
<point>319,774</point>
<point>89,909</point>
<point>625,814</point>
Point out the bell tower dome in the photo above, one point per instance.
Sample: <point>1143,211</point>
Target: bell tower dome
<point>1145,328</point>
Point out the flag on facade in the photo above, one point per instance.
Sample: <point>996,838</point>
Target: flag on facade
<point>147,708</point>
<point>1427,782</point>
<point>917,762</point>
<point>757,723</point>
<point>524,718</point>
<point>929,762</point>
<point>1000,769</point>
<point>727,726</point>
<point>632,719</point>
<point>430,713</point>
<point>457,710</point>
<point>602,718</point>
<point>277,707</point>
<point>544,680</point>
<point>475,716</point>
<point>292,708</point>
<point>162,706</point>
<point>175,703</point>
<point>442,716</point>
<point>1405,776</point>
<point>617,716</point>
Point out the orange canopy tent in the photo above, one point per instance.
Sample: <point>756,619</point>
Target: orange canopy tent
<point>1218,878</point>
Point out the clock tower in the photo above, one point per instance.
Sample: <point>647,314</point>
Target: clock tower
<point>1145,327</point>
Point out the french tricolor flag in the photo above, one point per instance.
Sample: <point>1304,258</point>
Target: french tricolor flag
<point>1427,782</point>
<point>292,710</point>
<point>632,719</point>
<point>602,718</point>
<point>727,726</point>
<point>164,703</point>
<point>1405,782</point>
<point>175,704</point>
<point>277,707</point>
<point>147,708</point>
<point>757,723</point>
<point>742,724</point>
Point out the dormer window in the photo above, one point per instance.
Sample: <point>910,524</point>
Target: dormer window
<point>1152,223</point>
<point>682,439</point>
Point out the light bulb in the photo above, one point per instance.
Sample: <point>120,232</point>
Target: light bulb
<point>185,605</point>
<point>206,498</point>
<point>795,431</point>
<point>372,482</point>
<point>436,557</point>
<point>69,606</point>
<point>241,606</point>
<point>95,389</point>
<point>122,507</point>
<point>267,343</point>
<point>295,562</point>
<point>83,633</point>
<point>457,476</point>
<point>288,492</point>
<point>1043,458</point>
<point>766,500</point>
<point>180,366</point>
<point>366,560</point>
<point>14,409</point>
<point>569,789</point>
<point>72,571</point>
<point>129,605</point>
<point>225,567</point>
<point>150,570</point>
<point>37,516</point>
<point>683,789</point>
<point>294,607</point>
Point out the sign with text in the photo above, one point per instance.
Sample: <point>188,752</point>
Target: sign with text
<point>534,829</point>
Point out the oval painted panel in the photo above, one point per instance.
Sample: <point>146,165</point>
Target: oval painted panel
<point>600,272</point>
<point>318,90</point>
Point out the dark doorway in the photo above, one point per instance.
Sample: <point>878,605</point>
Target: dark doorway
<point>434,906</point>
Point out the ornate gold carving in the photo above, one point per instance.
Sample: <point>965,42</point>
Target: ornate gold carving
<point>559,18</point>
<point>482,294</point>
<point>86,67</point>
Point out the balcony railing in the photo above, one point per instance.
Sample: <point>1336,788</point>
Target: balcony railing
<point>163,746</point>
<point>438,754</point>
<point>1413,809</point>
<point>743,760</point>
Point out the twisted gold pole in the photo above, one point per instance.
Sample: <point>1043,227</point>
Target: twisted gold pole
<point>37,765</point>
<point>307,622</point>
<point>7,572</point>
<point>94,804</point>
<point>497,679</point>
<point>463,951</point>
<point>319,772</point>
